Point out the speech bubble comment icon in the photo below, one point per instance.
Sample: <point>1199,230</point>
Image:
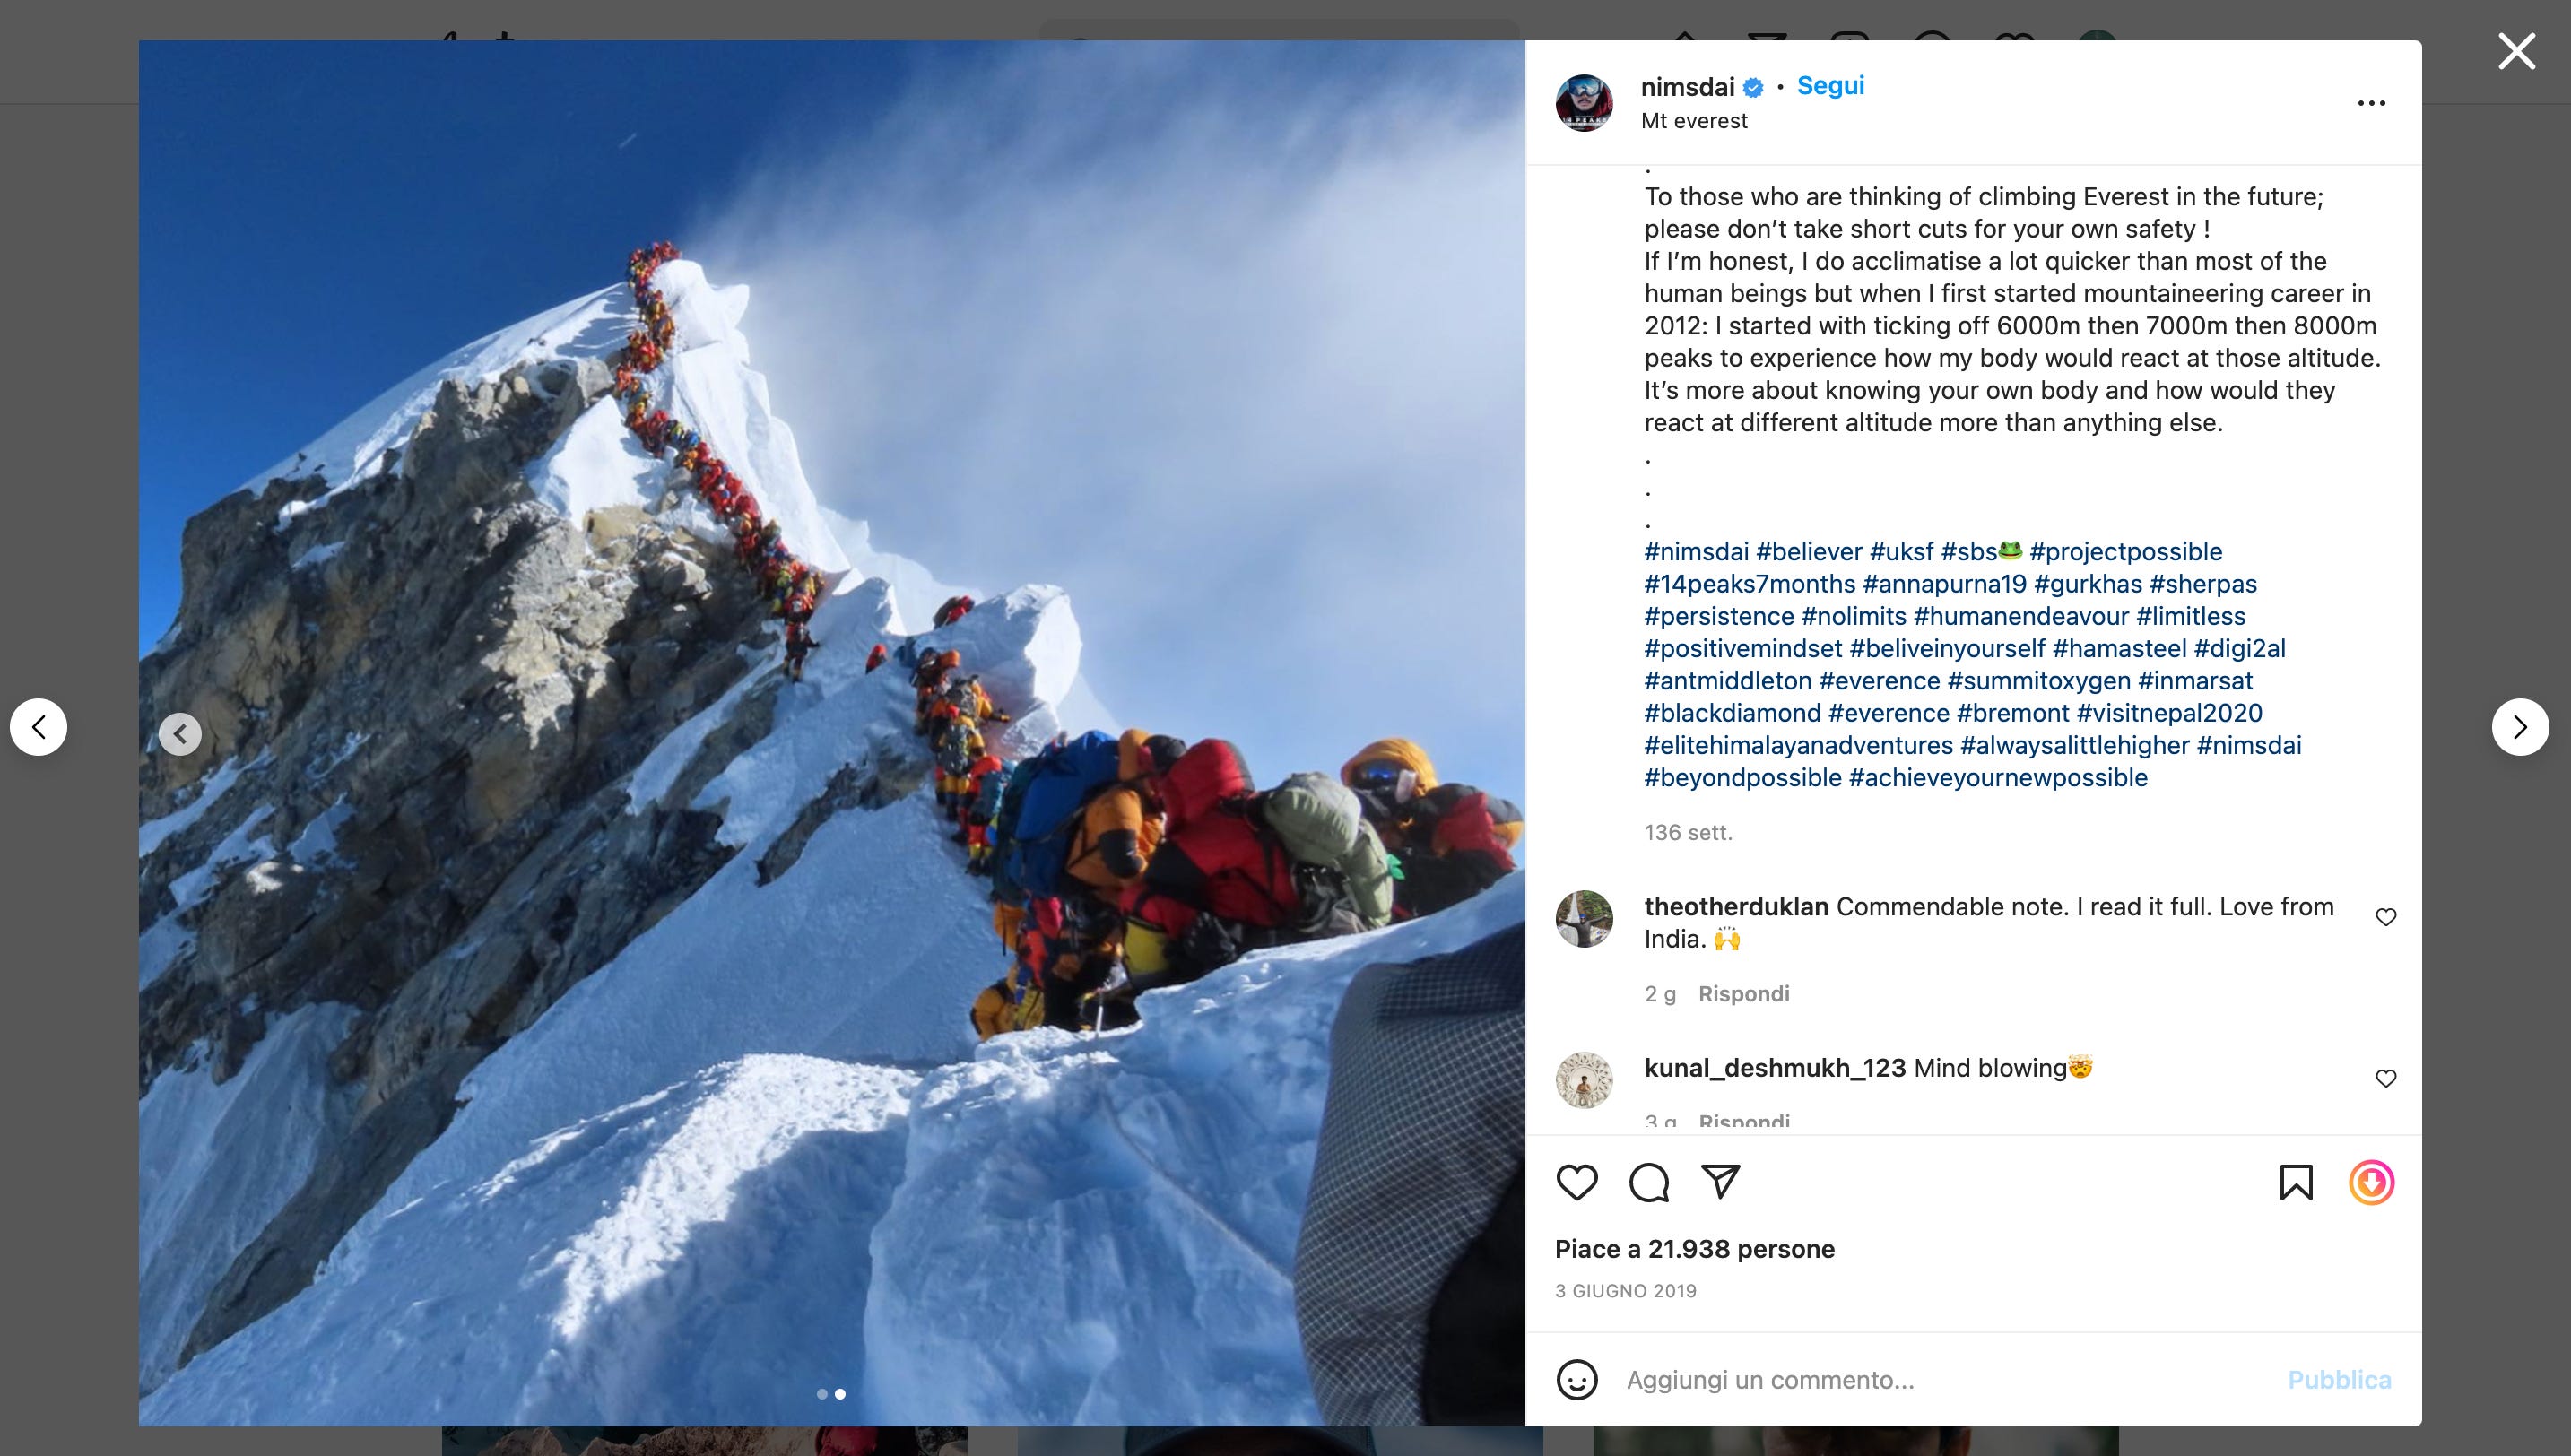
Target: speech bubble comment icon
<point>1650,1183</point>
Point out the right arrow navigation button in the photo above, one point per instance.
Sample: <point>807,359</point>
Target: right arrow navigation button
<point>1723,1173</point>
<point>2520,726</point>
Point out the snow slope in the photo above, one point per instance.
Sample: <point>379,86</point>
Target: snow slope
<point>598,464</point>
<point>217,1162</point>
<point>1058,1229</point>
<point>1149,1186</point>
<point>709,384</point>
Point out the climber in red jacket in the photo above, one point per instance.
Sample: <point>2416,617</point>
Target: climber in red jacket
<point>1221,882</point>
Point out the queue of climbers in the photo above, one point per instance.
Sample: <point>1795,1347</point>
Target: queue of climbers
<point>1124,865</point>
<point>792,587</point>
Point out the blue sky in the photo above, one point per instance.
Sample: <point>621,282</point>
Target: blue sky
<point>1225,341</point>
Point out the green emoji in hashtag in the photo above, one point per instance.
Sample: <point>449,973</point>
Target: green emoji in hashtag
<point>2011,551</point>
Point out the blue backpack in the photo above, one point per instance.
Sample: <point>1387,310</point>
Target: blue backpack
<point>1059,781</point>
<point>1004,819</point>
<point>985,808</point>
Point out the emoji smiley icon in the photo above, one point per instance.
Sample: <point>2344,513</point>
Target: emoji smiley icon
<point>2082,1066</point>
<point>1576,1380</point>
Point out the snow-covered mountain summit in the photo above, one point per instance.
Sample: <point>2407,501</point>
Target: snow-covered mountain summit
<point>550,1013</point>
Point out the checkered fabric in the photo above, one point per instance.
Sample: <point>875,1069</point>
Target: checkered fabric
<point>1424,1128</point>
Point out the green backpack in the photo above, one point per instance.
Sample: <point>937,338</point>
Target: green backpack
<point>1320,822</point>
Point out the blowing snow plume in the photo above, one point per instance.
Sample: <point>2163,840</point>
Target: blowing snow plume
<point>1202,330</point>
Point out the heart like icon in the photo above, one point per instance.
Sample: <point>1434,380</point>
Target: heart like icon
<point>1577,1178</point>
<point>2385,1076</point>
<point>2384,915</point>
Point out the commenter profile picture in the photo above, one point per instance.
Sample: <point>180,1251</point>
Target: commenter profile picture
<point>1584,103</point>
<point>1584,1079</point>
<point>1584,917</point>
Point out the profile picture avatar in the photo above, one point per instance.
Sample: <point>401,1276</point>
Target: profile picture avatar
<point>1583,103</point>
<point>1584,1079</point>
<point>1584,917</point>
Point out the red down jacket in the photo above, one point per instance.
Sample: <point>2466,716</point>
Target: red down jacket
<point>1214,855</point>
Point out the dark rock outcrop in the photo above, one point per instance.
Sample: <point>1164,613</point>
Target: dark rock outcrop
<point>427,688</point>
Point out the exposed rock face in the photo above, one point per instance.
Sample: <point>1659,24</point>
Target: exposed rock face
<point>888,776</point>
<point>427,687</point>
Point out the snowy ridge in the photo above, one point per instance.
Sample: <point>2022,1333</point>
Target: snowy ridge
<point>713,388</point>
<point>597,464</point>
<point>590,328</point>
<point>705,384</point>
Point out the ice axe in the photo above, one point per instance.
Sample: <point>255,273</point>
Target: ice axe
<point>1098,998</point>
